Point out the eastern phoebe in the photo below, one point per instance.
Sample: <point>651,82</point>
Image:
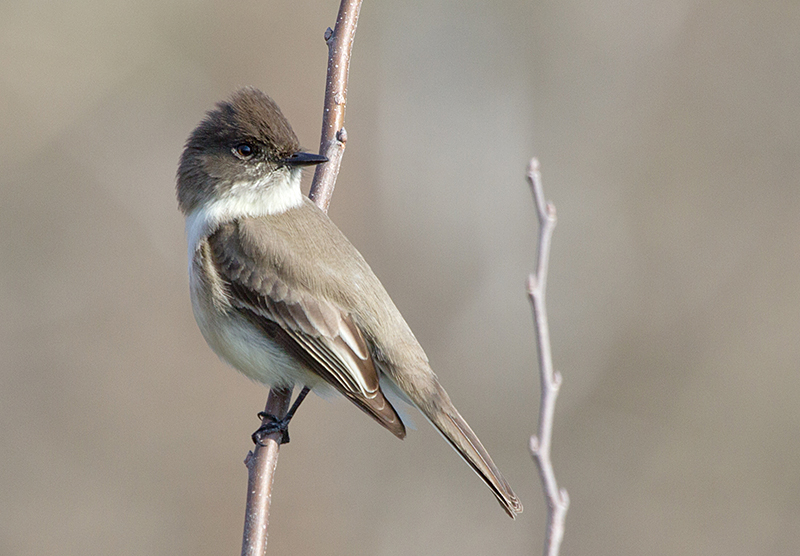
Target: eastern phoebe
<point>280,293</point>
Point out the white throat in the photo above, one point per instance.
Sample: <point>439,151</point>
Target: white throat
<point>274,194</point>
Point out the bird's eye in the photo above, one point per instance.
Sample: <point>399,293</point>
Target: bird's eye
<point>244,150</point>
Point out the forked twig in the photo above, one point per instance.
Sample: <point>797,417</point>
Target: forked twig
<point>261,462</point>
<point>557,499</point>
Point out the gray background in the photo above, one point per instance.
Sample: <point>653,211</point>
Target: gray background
<point>669,134</point>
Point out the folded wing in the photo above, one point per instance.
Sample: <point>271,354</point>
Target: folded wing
<point>314,330</point>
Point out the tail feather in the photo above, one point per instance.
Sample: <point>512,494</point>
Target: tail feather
<point>444,416</point>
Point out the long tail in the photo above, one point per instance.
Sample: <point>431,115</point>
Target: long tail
<point>443,415</point>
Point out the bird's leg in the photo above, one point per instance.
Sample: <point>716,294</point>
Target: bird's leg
<point>278,425</point>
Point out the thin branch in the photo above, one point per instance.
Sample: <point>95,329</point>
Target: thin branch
<point>263,460</point>
<point>557,500</point>
<point>334,136</point>
<point>261,463</point>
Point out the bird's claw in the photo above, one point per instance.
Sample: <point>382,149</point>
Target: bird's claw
<point>272,425</point>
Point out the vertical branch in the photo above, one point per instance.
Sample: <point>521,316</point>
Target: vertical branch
<point>262,461</point>
<point>557,500</point>
<point>334,136</point>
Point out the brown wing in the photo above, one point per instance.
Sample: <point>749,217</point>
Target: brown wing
<point>312,329</point>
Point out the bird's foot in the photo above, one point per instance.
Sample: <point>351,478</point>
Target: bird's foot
<point>272,424</point>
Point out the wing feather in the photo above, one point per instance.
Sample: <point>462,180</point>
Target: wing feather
<point>313,329</point>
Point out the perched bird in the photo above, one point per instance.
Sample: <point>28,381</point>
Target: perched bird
<point>279,292</point>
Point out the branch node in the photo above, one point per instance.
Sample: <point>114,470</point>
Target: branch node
<point>341,135</point>
<point>564,498</point>
<point>533,284</point>
<point>533,445</point>
<point>556,380</point>
<point>533,167</point>
<point>328,34</point>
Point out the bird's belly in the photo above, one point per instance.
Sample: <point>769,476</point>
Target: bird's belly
<point>243,346</point>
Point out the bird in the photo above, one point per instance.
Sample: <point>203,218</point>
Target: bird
<point>281,295</point>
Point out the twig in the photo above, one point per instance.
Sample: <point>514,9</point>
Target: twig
<point>261,462</point>
<point>557,500</point>
<point>334,136</point>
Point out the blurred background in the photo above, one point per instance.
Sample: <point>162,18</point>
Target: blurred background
<point>669,137</point>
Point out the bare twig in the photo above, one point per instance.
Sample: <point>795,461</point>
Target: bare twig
<point>557,499</point>
<point>334,136</point>
<point>261,462</point>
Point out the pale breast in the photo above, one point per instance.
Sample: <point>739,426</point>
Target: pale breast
<point>234,339</point>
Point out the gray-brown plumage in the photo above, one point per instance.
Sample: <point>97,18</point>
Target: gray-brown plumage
<point>250,254</point>
<point>283,296</point>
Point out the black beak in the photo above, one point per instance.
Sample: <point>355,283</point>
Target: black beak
<point>304,159</point>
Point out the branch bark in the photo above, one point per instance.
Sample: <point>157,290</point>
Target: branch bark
<point>263,460</point>
<point>557,499</point>
<point>333,138</point>
<point>261,463</point>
